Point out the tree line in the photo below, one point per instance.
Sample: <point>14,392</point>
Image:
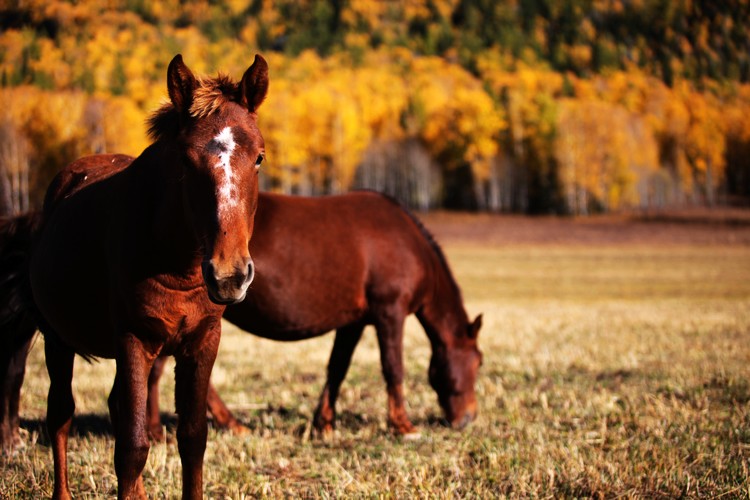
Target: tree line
<point>522,106</point>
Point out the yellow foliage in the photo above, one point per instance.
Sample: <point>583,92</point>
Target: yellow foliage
<point>457,114</point>
<point>602,149</point>
<point>367,10</point>
<point>737,115</point>
<point>608,133</point>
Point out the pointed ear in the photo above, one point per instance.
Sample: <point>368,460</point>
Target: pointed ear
<point>475,326</point>
<point>254,84</point>
<point>180,84</point>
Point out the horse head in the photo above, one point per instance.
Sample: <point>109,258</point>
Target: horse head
<point>453,373</point>
<point>221,150</point>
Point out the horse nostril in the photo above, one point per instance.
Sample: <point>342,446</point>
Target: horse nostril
<point>209,272</point>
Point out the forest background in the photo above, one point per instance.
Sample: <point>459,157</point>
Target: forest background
<point>529,106</point>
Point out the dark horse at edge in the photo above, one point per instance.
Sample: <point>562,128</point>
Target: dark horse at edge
<point>141,261</point>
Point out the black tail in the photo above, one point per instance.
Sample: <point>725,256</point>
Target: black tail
<point>16,303</point>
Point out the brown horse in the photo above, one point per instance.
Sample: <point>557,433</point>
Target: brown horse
<point>343,262</point>
<point>141,262</point>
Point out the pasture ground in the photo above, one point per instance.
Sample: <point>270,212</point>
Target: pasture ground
<point>616,363</point>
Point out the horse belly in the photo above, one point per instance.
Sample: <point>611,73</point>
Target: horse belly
<point>69,279</point>
<point>298,310</point>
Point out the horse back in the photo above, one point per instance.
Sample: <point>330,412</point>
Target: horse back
<point>82,173</point>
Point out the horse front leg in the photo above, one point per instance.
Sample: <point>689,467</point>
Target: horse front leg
<point>12,371</point>
<point>131,439</point>
<point>60,409</point>
<point>347,337</point>
<point>192,375</point>
<point>390,339</point>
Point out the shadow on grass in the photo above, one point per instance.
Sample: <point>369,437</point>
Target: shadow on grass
<point>87,425</point>
<point>275,417</point>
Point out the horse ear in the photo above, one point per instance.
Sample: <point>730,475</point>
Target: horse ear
<point>181,84</point>
<point>254,84</point>
<point>475,326</point>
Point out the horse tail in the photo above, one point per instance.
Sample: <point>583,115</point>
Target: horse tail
<point>16,302</point>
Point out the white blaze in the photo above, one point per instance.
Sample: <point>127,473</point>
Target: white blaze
<point>226,191</point>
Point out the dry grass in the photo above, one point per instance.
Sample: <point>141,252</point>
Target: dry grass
<point>616,364</point>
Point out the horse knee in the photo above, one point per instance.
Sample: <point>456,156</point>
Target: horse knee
<point>130,458</point>
<point>191,441</point>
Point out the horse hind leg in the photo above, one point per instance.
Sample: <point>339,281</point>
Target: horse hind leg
<point>390,339</point>
<point>12,371</point>
<point>113,406</point>
<point>60,409</point>
<point>347,337</point>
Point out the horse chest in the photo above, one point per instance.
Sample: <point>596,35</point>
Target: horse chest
<point>170,315</point>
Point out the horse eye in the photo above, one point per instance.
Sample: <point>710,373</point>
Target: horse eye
<point>258,161</point>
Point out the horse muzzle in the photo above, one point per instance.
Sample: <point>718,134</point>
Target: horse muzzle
<point>464,421</point>
<point>228,287</point>
<point>460,414</point>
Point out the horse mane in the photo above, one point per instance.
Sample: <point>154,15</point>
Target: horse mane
<point>430,240</point>
<point>209,95</point>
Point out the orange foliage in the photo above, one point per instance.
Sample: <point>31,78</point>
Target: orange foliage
<point>613,137</point>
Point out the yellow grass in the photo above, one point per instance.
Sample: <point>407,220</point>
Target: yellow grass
<point>608,370</point>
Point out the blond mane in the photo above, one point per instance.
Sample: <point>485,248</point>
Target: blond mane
<point>211,94</point>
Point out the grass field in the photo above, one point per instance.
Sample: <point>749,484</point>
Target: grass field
<point>616,363</point>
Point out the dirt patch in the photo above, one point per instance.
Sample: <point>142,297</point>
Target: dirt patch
<point>683,227</point>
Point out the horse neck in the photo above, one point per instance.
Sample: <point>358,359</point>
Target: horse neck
<point>443,315</point>
<point>158,179</point>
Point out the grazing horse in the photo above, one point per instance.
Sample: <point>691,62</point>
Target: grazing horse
<point>141,261</point>
<point>343,262</point>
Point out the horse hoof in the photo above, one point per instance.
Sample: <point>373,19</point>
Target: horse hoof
<point>324,433</point>
<point>413,435</point>
<point>240,430</point>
